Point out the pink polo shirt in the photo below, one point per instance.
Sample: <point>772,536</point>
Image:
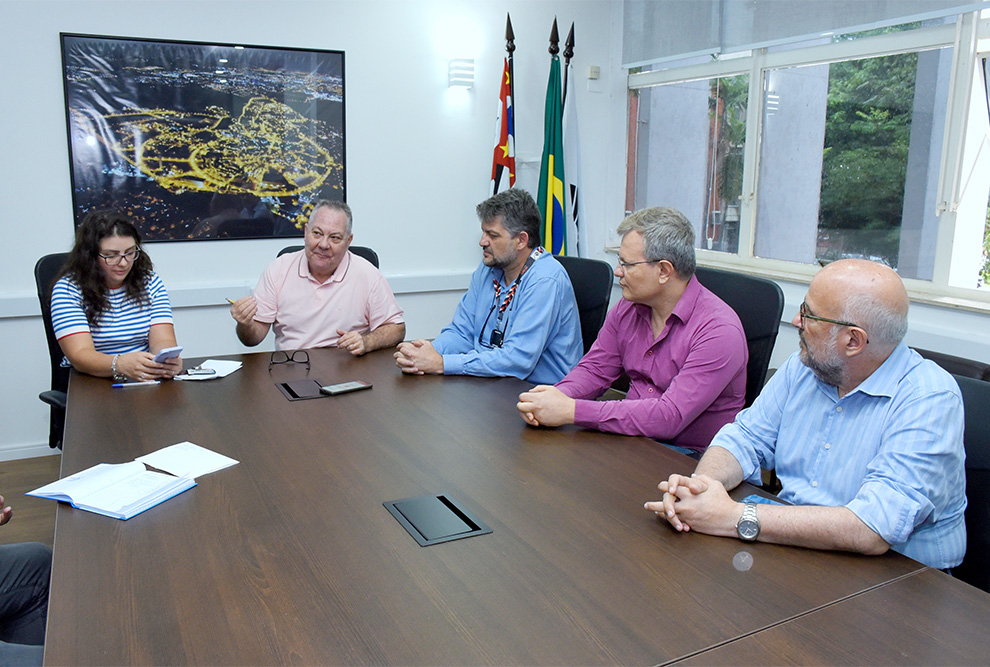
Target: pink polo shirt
<point>307,313</point>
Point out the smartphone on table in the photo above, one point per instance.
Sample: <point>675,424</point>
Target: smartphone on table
<point>344,387</point>
<point>167,353</point>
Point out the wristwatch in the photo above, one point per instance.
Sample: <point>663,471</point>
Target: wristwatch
<point>748,527</point>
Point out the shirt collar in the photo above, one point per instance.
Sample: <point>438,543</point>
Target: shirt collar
<point>337,276</point>
<point>881,382</point>
<point>685,305</point>
<point>499,273</point>
<point>689,299</point>
<point>884,380</point>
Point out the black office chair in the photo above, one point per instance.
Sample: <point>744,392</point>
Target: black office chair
<point>359,250</point>
<point>57,397</point>
<point>975,568</point>
<point>958,365</point>
<point>759,303</point>
<point>592,282</point>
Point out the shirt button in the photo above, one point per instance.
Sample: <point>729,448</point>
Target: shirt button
<point>815,484</point>
<point>650,353</point>
<point>839,409</point>
<point>828,446</point>
<point>651,390</point>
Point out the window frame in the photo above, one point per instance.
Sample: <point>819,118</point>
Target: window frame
<point>962,37</point>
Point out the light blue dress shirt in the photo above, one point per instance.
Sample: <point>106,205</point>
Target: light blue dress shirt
<point>891,450</point>
<point>541,327</point>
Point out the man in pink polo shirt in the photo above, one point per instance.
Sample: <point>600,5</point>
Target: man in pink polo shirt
<point>322,296</point>
<point>682,347</point>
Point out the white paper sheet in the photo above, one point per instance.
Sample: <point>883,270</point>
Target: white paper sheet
<point>222,367</point>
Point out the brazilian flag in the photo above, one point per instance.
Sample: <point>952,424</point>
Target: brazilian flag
<point>551,195</point>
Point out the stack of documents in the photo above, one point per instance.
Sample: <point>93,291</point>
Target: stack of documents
<point>123,490</point>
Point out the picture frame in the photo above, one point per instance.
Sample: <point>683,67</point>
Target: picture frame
<point>203,141</point>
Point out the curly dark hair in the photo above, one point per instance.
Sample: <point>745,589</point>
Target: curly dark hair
<point>83,264</point>
<point>517,212</point>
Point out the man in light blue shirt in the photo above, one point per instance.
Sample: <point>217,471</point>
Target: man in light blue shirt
<point>518,318</point>
<point>865,435</point>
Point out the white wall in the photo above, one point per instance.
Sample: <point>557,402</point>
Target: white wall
<point>418,153</point>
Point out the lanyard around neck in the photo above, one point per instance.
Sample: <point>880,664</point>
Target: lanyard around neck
<point>533,256</point>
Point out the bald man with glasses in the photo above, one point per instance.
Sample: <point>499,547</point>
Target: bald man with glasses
<point>865,435</point>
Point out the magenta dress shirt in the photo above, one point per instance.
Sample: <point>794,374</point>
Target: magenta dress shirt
<point>684,385</point>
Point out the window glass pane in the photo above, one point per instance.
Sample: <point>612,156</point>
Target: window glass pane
<point>983,100</point>
<point>971,245</point>
<point>984,279</point>
<point>849,161</point>
<point>686,151</point>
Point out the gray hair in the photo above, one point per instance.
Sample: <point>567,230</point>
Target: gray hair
<point>518,213</point>
<point>334,205</point>
<point>883,323</point>
<point>667,234</point>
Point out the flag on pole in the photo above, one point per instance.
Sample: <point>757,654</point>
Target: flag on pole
<point>551,192</point>
<point>577,232</point>
<point>504,157</point>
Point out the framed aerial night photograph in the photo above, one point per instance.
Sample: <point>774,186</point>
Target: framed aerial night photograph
<point>198,141</point>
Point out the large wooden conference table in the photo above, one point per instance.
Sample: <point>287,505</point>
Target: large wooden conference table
<point>290,557</point>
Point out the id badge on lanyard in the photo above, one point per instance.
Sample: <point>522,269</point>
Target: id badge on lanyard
<point>497,337</point>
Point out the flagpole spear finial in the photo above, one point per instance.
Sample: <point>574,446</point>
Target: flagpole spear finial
<point>510,44</point>
<point>554,39</point>
<point>568,54</point>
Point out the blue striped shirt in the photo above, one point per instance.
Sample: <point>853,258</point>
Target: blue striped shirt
<point>122,328</point>
<point>891,450</point>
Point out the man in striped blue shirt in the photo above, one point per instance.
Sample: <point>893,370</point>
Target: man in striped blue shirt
<point>865,435</point>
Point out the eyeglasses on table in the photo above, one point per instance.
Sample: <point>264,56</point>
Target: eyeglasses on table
<point>283,357</point>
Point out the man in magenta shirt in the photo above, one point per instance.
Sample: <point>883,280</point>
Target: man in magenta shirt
<point>682,347</point>
<point>323,295</point>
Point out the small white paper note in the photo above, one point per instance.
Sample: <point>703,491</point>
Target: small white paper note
<point>222,367</point>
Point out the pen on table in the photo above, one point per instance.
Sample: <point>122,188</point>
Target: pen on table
<point>142,383</point>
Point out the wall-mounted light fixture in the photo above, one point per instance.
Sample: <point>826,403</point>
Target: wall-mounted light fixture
<point>460,72</point>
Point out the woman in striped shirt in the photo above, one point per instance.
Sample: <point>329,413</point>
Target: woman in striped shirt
<point>110,310</point>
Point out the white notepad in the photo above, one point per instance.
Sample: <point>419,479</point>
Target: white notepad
<point>120,490</point>
<point>123,490</point>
